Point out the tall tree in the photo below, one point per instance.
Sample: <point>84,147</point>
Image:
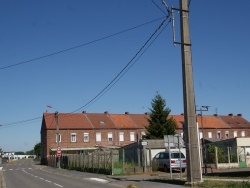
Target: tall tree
<point>37,150</point>
<point>159,122</point>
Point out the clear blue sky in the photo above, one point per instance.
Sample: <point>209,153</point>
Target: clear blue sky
<point>69,80</point>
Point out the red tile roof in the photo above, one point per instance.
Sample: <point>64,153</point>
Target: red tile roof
<point>67,121</point>
<point>122,121</point>
<point>134,121</point>
<point>235,121</point>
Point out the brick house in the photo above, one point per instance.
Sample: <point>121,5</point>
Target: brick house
<point>89,131</point>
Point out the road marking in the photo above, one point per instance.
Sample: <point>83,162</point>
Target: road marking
<point>58,185</point>
<point>99,179</point>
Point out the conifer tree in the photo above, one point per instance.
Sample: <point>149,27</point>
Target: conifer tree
<point>159,122</point>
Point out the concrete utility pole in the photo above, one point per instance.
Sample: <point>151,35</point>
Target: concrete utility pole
<point>57,138</point>
<point>194,173</point>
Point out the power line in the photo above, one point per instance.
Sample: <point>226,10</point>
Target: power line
<point>142,50</point>
<point>120,74</point>
<point>78,46</point>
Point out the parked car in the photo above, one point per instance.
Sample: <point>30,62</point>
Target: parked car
<point>162,160</point>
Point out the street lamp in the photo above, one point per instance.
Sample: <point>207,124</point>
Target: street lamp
<point>202,109</point>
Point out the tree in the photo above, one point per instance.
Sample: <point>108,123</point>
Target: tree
<point>37,150</point>
<point>159,122</point>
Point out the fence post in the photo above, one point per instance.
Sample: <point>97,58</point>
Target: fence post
<point>123,160</point>
<point>216,157</point>
<point>139,156</point>
<point>112,165</point>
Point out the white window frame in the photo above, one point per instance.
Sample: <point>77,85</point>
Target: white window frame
<point>110,137</point>
<point>73,137</point>
<point>210,135</point>
<point>227,135</point>
<point>132,136</point>
<point>243,133</point>
<point>235,134</point>
<point>218,134</point>
<point>121,136</point>
<point>60,137</point>
<point>98,137</point>
<point>201,135</point>
<point>85,137</point>
<point>143,134</point>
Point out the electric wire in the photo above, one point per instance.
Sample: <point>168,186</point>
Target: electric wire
<point>158,7</point>
<point>105,89</point>
<point>78,46</point>
<point>110,85</point>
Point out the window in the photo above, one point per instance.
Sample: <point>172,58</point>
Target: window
<point>201,135</point>
<point>85,137</point>
<point>235,134</point>
<point>121,136</point>
<point>218,134</point>
<point>243,134</point>
<point>98,137</point>
<point>142,134</point>
<point>110,137</point>
<point>210,135</point>
<point>59,138</point>
<point>102,122</point>
<point>73,137</point>
<point>227,134</point>
<point>132,136</point>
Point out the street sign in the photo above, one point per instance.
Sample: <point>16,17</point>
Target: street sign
<point>58,153</point>
<point>144,143</point>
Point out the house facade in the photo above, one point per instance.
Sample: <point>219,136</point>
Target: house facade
<point>74,133</point>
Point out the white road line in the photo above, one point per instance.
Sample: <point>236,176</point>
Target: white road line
<point>48,181</point>
<point>99,179</point>
<point>58,185</point>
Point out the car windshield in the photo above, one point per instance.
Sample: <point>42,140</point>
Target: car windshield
<point>177,155</point>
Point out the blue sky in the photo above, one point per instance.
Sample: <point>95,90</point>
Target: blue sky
<point>67,81</point>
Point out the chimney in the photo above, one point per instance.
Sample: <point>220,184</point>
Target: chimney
<point>84,112</point>
<point>215,115</point>
<point>126,113</point>
<point>230,114</point>
<point>106,112</point>
<point>240,115</point>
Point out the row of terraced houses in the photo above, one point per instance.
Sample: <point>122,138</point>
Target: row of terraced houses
<point>89,131</point>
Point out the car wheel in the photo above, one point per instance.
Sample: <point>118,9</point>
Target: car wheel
<point>183,169</point>
<point>166,169</point>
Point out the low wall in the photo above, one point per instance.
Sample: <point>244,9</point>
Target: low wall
<point>227,165</point>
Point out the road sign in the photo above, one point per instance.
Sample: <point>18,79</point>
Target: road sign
<point>144,143</point>
<point>58,153</point>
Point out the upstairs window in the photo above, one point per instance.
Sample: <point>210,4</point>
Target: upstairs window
<point>235,134</point>
<point>110,137</point>
<point>132,136</point>
<point>227,134</point>
<point>73,137</point>
<point>121,136</point>
<point>58,137</point>
<point>85,137</point>
<point>243,133</point>
<point>210,135</point>
<point>98,137</point>
<point>218,134</point>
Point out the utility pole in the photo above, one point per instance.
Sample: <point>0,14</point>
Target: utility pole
<point>57,138</point>
<point>194,173</point>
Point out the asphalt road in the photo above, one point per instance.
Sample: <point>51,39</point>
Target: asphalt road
<point>25,174</point>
